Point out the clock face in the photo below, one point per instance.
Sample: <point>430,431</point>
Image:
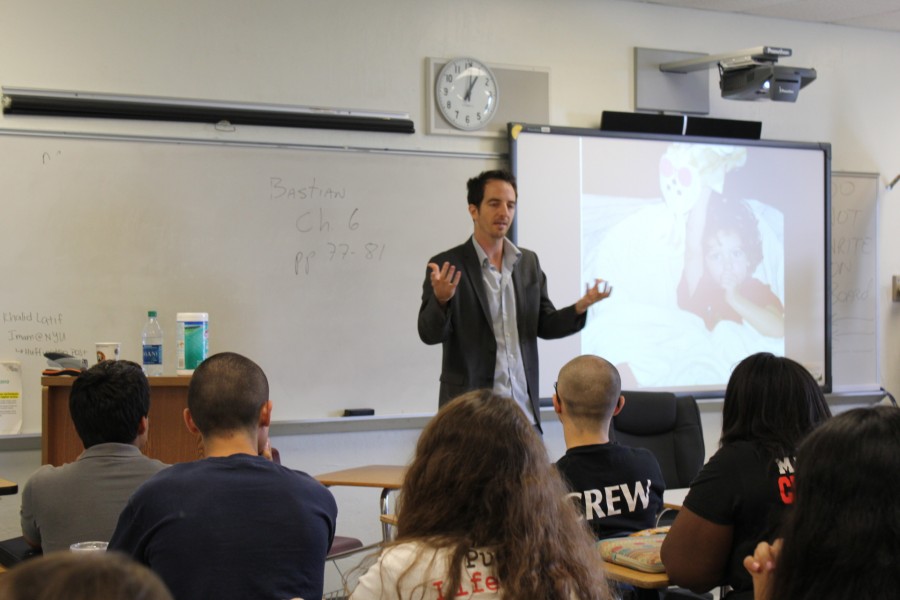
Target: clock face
<point>466,93</point>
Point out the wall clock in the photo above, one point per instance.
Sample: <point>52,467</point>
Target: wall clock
<point>466,93</point>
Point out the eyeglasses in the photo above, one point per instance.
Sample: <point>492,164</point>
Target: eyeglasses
<point>556,391</point>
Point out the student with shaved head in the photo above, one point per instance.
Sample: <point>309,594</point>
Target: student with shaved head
<point>233,524</point>
<point>617,489</point>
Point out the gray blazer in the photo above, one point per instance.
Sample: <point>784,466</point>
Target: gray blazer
<point>464,327</point>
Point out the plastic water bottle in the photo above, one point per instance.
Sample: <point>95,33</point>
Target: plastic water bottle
<point>152,340</point>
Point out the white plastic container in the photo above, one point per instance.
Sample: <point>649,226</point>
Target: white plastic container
<point>192,340</point>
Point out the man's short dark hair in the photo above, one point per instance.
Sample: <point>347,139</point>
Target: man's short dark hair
<point>476,184</point>
<point>108,401</point>
<point>226,393</point>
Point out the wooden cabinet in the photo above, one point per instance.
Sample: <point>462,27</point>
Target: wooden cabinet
<point>168,440</point>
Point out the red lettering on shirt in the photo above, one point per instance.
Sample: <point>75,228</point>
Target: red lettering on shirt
<point>786,487</point>
<point>475,578</point>
<point>439,585</point>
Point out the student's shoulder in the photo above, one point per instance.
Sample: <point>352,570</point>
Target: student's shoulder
<point>306,482</point>
<point>169,474</point>
<point>730,462</point>
<point>736,451</point>
<point>404,554</point>
<point>643,457</point>
<point>45,475</point>
<point>152,465</point>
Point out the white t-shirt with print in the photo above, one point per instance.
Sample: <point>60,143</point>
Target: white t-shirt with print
<point>425,568</point>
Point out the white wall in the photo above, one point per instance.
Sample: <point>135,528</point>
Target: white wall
<point>371,54</point>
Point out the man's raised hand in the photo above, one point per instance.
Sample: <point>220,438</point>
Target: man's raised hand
<point>444,280</point>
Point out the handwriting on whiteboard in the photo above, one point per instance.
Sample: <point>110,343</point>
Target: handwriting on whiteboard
<point>33,332</point>
<point>278,190</point>
<point>853,290</point>
<point>329,226</point>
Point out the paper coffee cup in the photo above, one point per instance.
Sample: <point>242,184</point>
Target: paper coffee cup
<point>89,546</point>
<point>107,351</point>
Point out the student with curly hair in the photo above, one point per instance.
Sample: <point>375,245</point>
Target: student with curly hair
<point>484,514</point>
<point>841,538</point>
<point>737,499</point>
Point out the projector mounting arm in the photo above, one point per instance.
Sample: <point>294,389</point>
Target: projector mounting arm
<point>740,59</point>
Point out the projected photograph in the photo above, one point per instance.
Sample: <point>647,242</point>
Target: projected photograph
<point>696,257</point>
<point>715,249</point>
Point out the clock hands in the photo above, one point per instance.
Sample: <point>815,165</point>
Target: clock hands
<point>468,96</point>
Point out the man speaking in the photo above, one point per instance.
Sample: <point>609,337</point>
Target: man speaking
<point>486,302</point>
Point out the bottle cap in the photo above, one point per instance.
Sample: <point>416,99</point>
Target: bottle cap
<point>151,313</point>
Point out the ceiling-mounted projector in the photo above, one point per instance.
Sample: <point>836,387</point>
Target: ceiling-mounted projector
<point>764,82</point>
<point>751,74</point>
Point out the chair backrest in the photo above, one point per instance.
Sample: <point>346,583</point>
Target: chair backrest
<point>667,425</point>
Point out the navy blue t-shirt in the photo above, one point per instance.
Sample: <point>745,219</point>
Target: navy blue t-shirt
<point>236,527</point>
<point>618,489</point>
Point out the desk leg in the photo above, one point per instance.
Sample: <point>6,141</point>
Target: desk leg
<point>387,531</point>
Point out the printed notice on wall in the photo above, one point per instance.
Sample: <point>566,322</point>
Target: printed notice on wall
<point>10,397</point>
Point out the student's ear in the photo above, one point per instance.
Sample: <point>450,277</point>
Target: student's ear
<point>473,211</point>
<point>557,405</point>
<point>265,414</point>
<point>189,422</point>
<point>620,404</point>
<point>143,425</point>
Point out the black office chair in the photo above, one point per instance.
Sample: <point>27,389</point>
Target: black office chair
<point>668,426</point>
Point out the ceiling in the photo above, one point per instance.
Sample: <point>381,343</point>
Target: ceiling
<point>872,14</point>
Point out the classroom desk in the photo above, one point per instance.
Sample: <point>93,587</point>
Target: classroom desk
<point>634,577</point>
<point>386,477</point>
<point>168,439</point>
<point>8,488</point>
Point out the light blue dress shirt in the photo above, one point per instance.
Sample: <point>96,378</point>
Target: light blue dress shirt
<point>509,372</point>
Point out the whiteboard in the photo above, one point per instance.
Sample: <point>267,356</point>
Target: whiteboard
<point>854,290</point>
<point>310,262</point>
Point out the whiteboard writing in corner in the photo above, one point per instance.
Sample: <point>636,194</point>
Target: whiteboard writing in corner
<point>854,289</point>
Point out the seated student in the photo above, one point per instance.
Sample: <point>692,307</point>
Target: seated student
<point>483,514</point>
<point>771,404</point>
<point>82,576</point>
<point>841,538</point>
<point>617,489</point>
<point>81,501</point>
<point>233,524</point>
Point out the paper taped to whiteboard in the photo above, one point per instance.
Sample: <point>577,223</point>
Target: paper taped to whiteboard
<point>10,397</point>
